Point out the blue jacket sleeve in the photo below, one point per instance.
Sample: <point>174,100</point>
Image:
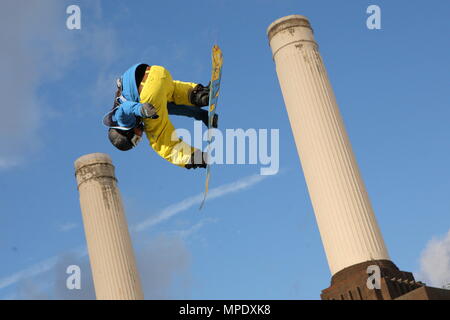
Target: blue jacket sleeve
<point>127,112</point>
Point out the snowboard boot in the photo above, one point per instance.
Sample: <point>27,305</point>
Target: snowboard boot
<point>197,160</point>
<point>199,96</point>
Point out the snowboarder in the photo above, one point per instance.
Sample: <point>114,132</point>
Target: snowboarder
<point>145,97</point>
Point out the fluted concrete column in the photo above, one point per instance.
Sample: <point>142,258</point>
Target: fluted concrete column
<point>110,251</point>
<point>347,224</point>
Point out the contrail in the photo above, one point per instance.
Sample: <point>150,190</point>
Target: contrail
<point>187,203</point>
<point>36,269</point>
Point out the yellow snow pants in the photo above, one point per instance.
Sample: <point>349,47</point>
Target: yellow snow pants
<point>158,90</point>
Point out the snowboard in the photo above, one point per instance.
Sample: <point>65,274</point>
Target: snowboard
<point>216,75</point>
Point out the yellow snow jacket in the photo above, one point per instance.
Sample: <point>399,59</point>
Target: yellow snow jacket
<point>158,89</point>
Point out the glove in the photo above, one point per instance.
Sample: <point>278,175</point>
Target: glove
<point>148,111</point>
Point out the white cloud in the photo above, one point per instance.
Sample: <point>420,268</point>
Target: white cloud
<point>37,48</point>
<point>435,262</point>
<point>187,203</point>
<point>7,162</point>
<point>67,227</point>
<point>164,263</point>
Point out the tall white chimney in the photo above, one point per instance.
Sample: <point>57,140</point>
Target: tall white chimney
<point>110,251</point>
<point>347,224</point>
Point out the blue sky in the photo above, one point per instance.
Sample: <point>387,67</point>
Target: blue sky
<point>259,239</point>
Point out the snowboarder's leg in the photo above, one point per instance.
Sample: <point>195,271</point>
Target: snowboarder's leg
<point>192,112</point>
<point>161,132</point>
<point>188,111</point>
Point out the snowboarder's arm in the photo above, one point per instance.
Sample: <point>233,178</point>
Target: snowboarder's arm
<point>128,111</point>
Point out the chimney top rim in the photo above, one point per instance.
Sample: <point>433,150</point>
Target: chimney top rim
<point>92,158</point>
<point>283,20</point>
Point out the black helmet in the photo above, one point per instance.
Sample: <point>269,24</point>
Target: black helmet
<point>121,139</point>
<point>124,140</point>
